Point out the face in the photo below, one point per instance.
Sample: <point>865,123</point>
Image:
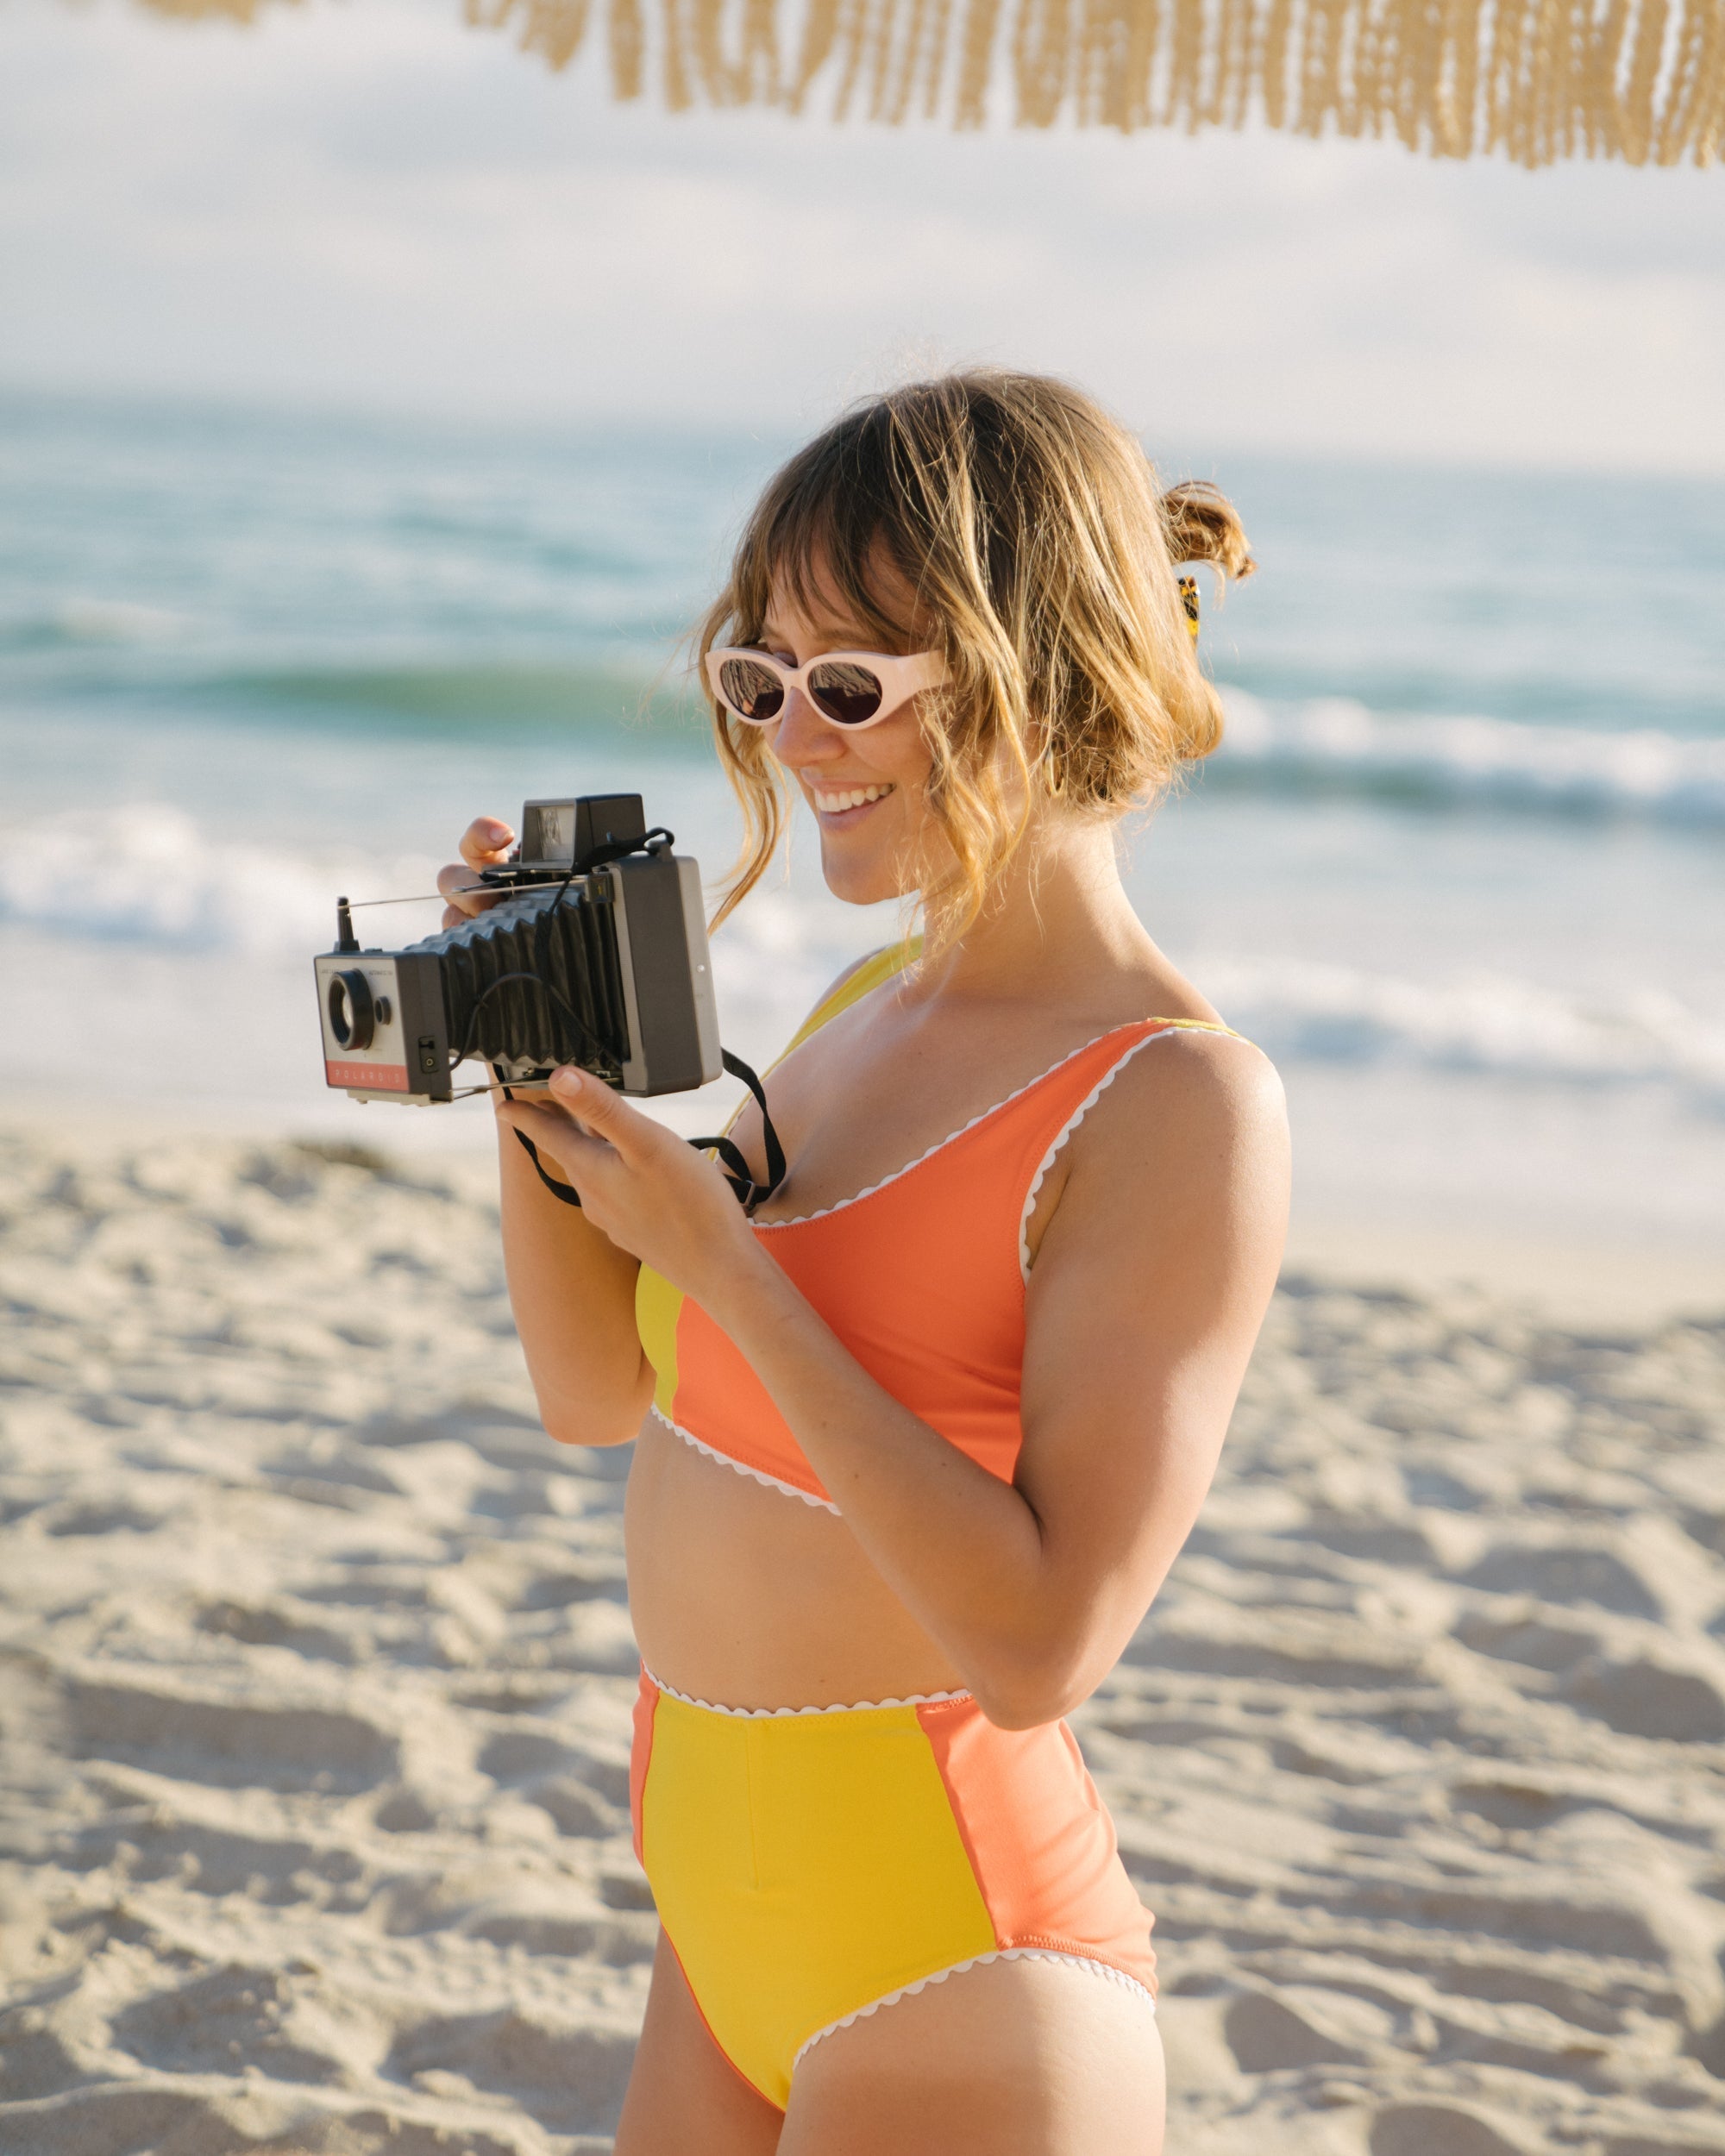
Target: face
<point>867,790</point>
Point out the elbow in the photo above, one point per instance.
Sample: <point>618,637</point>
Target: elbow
<point>593,1424</point>
<point>1013,1710</point>
<point>1027,1691</point>
<point>591,1436</point>
<point>591,1429</point>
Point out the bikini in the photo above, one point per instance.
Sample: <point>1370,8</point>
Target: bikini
<point>813,1864</point>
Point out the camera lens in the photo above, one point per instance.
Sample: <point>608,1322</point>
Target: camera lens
<point>353,1018</point>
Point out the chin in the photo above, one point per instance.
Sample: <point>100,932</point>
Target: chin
<point>858,882</point>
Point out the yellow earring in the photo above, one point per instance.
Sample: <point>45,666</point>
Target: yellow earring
<point>1188,599</point>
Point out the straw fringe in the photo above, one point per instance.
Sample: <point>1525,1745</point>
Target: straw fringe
<point>981,21</point>
<point>222,10</point>
<point>628,37</point>
<point>1642,81</point>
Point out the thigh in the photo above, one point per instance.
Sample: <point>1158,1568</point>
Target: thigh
<point>683,2094</point>
<point>1012,2058</point>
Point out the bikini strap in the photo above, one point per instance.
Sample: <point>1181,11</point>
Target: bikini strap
<point>879,966</point>
<point>861,980</point>
<point>1061,1113</point>
<point>1054,1104</point>
<point>1197,1026</point>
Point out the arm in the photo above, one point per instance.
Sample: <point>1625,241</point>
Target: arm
<point>1147,1294</point>
<point>571,1288</point>
<point>572,1293</point>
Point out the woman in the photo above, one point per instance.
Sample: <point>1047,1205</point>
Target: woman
<point>923,1436</point>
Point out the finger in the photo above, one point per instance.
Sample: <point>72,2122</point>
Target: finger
<point>532,1121</point>
<point>562,1143</point>
<point>485,842</point>
<point>466,894</point>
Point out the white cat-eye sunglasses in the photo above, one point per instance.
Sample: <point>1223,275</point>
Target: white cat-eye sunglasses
<point>849,689</point>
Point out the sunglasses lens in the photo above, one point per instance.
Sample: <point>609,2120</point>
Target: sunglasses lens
<point>846,695</point>
<point>754,692</point>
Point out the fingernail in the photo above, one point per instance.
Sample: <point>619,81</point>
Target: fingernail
<point>566,1079</point>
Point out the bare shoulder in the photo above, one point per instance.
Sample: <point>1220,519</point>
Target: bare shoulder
<point>1219,1078</point>
<point>1184,1085</point>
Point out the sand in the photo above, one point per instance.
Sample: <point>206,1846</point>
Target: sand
<point>315,1673</point>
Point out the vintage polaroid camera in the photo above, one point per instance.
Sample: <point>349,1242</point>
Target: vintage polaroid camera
<point>597,956</point>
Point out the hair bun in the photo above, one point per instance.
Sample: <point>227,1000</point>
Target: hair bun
<point>1203,525</point>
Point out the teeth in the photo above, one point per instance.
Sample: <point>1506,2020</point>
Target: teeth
<point>831,804</point>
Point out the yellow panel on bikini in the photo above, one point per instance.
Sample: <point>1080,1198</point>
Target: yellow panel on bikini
<point>804,1866</point>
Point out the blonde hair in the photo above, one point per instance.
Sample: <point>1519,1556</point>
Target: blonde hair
<point>1040,556</point>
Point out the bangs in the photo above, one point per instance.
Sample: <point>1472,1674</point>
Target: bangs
<point>835,533</point>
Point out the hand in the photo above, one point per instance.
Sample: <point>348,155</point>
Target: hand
<point>653,1196</point>
<point>485,844</point>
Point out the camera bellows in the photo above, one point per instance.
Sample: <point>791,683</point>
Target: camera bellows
<point>537,979</point>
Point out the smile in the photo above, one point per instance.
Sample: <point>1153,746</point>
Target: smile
<point>833,801</point>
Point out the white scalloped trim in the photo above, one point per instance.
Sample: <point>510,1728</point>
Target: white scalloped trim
<point>1065,1131</point>
<point>1166,1027</point>
<point>976,1961</point>
<point>898,1175</point>
<point>754,1475</point>
<point>774,1714</point>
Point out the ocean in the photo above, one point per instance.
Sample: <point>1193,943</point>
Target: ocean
<point>1459,866</point>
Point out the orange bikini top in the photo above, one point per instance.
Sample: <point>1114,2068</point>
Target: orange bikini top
<point>922,1277</point>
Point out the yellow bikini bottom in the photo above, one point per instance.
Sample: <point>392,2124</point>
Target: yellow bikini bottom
<point>811,1864</point>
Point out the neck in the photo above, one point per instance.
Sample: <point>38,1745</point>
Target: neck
<point>1058,915</point>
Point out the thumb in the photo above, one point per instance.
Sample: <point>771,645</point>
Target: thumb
<point>595,1107</point>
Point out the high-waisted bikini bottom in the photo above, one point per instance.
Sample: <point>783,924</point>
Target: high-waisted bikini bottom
<point>811,1864</point>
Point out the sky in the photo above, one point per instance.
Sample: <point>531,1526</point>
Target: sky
<point>365,205</point>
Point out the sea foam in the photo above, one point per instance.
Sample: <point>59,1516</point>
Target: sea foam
<point>1469,1021</point>
<point>1343,745</point>
<point>148,874</point>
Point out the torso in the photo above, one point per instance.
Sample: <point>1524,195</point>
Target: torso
<point>744,1594</point>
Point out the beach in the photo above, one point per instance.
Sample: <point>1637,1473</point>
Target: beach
<point>317,1669</point>
<point>318,1666</point>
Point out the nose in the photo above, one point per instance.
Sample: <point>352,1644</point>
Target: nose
<point>802,737</point>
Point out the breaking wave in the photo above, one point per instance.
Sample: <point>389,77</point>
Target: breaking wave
<point>148,874</point>
<point>1344,747</point>
<point>150,877</point>
<point>1480,1022</point>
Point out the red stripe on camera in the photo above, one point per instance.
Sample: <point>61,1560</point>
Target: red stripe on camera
<point>379,1077</point>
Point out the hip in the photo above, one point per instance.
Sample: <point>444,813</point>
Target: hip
<point>813,1865</point>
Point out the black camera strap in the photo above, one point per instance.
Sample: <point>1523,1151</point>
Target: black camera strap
<point>749,1194</point>
<point>733,1163</point>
